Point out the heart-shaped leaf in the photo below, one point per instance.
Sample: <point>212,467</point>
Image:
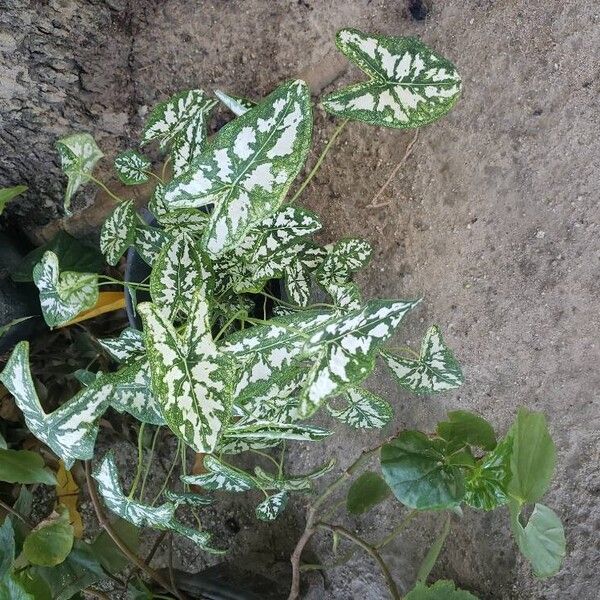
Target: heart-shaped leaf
<point>363,409</point>
<point>270,508</point>
<point>79,154</point>
<point>23,466</point>
<point>132,168</point>
<point>50,543</point>
<point>247,169</point>
<point>187,498</point>
<point>118,232</point>
<point>149,241</point>
<point>467,428</point>
<point>264,430</point>
<point>409,86</point>
<point>342,260</point>
<point>366,492</point>
<point>436,369</point>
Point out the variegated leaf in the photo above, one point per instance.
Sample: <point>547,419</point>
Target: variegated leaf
<point>79,154</point>
<point>183,220</point>
<point>188,144</point>
<point>118,232</point>
<point>178,272</point>
<point>132,168</point>
<point>63,295</point>
<point>170,118</point>
<point>237,445</point>
<point>221,476</point>
<point>343,350</point>
<point>264,430</point>
<point>187,498</point>
<point>270,508</point>
<point>70,431</point>
<point>291,483</point>
<point>436,370</point>
<point>129,344</point>
<point>236,104</point>
<point>149,241</point>
<point>133,393</point>
<point>191,379</point>
<point>137,513</point>
<point>346,296</point>
<point>409,86</point>
<point>342,260</point>
<point>268,350</point>
<point>363,409</point>
<point>248,167</point>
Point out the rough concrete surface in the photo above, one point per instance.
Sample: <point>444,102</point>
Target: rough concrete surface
<point>494,219</point>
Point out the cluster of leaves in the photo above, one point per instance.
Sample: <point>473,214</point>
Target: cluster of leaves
<point>211,363</point>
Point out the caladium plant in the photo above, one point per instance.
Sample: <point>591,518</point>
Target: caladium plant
<point>251,328</point>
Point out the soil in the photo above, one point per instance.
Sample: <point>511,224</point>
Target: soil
<point>493,220</point>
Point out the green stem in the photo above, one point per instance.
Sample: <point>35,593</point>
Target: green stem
<point>236,316</point>
<point>159,179</point>
<point>398,529</point>
<point>281,459</point>
<point>164,168</point>
<point>314,170</point>
<point>149,462</point>
<point>100,184</point>
<point>138,470</point>
<point>170,472</point>
<point>265,455</point>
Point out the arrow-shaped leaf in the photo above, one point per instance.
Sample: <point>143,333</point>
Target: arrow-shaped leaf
<point>409,86</point>
<point>132,168</point>
<point>129,344</point>
<point>118,232</point>
<point>363,410</point>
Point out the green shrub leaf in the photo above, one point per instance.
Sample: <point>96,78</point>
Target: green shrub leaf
<point>440,590</point>
<point>191,379</point>
<point>409,85</point>
<point>464,427</point>
<point>50,543</point>
<point>132,168</point>
<point>416,469</point>
<point>72,428</point>
<point>23,466</point>
<point>63,295</point>
<point>533,457</point>
<point>541,541</point>
<point>364,410</point>
<point>79,154</point>
<point>246,170</point>
<point>436,370</point>
<point>270,508</point>
<point>366,492</point>
<point>118,232</point>
<point>12,589</point>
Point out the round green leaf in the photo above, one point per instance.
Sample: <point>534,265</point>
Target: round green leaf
<point>51,543</point>
<point>23,466</point>
<point>464,427</point>
<point>366,492</point>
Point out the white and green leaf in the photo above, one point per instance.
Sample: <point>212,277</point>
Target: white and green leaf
<point>247,169</point>
<point>149,241</point>
<point>265,430</point>
<point>236,104</point>
<point>409,86</point>
<point>132,168</point>
<point>221,476</point>
<point>129,344</point>
<point>270,508</point>
<point>63,295</point>
<point>79,154</point>
<point>188,143</point>
<point>118,232</point>
<point>70,431</point>
<point>342,260</point>
<point>187,498</point>
<point>191,379</point>
<point>363,410</point>
<point>436,369</point>
<point>291,483</point>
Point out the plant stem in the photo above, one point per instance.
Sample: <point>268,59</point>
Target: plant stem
<point>154,175</point>
<point>12,511</point>
<point>164,168</point>
<point>265,455</point>
<point>155,547</point>
<point>398,529</point>
<point>238,314</point>
<point>134,558</point>
<point>149,462</point>
<point>166,481</point>
<point>314,170</point>
<point>140,459</point>
<point>395,594</point>
<point>100,184</point>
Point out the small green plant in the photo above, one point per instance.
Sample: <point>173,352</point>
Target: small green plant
<point>229,362</point>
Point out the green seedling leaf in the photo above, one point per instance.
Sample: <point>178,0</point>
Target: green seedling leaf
<point>342,260</point>
<point>533,457</point>
<point>73,255</point>
<point>187,498</point>
<point>236,104</point>
<point>149,241</point>
<point>172,118</point>
<point>8,194</point>
<point>221,476</point>
<point>270,508</point>
<point>118,232</point>
<point>291,483</point>
<point>79,154</point>
<point>416,469</point>
<point>129,344</point>
<point>191,379</point>
<point>464,427</point>
<point>440,590</point>
<point>366,492</point>
<point>23,466</point>
<point>436,370</point>
<point>63,295</point>
<point>409,86</point>
<point>132,168</point>
<point>363,409</point>
<point>50,543</point>
<point>178,272</point>
<point>433,553</point>
<point>247,169</point>
<point>275,431</point>
<point>344,349</point>
<point>486,485</point>
<point>7,548</point>
<point>72,428</point>
<point>541,541</point>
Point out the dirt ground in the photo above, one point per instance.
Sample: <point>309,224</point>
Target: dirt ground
<point>494,220</point>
